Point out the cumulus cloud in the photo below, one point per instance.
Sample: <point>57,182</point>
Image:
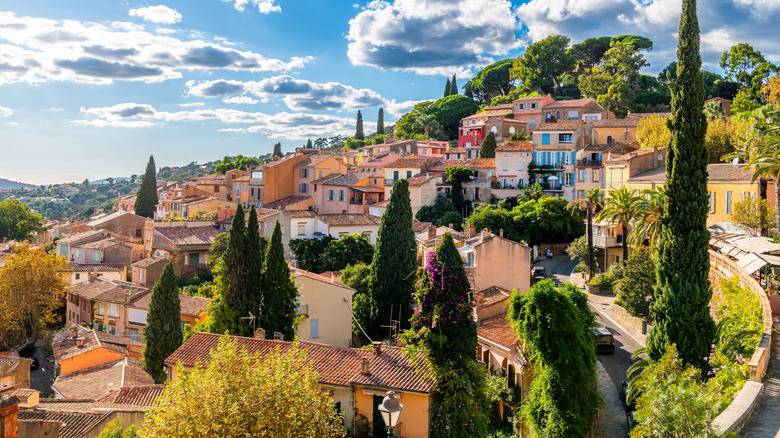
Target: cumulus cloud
<point>299,94</point>
<point>292,126</point>
<point>34,50</point>
<point>5,112</point>
<point>157,14</point>
<point>240,100</point>
<point>433,36</point>
<point>263,6</point>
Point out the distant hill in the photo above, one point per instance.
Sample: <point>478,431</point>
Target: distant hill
<point>12,185</point>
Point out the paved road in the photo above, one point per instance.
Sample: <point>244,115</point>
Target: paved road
<point>42,378</point>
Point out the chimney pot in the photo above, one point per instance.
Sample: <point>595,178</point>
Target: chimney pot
<point>364,367</point>
<point>501,232</point>
<point>5,240</point>
<point>79,342</point>
<point>75,330</point>
<point>377,347</point>
<point>451,225</point>
<point>431,231</point>
<point>278,336</point>
<point>260,334</point>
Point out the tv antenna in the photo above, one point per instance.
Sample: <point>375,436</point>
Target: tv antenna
<point>252,319</point>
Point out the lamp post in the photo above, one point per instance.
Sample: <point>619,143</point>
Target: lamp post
<point>390,409</point>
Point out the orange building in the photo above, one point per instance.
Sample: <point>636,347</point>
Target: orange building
<point>80,348</point>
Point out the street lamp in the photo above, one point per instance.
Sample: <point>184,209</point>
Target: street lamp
<point>390,410</point>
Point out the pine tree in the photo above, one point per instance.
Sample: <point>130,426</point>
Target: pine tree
<point>309,144</point>
<point>682,293</point>
<point>146,198</point>
<point>454,86</point>
<point>447,88</point>
<point>467,91</point>
<point>279,292</point>
<point>232,282</point>
<point>488,148</point>
<point>394,265</point>
<point>163,332</point>
<point>380,122</point>
<point>359,127</point>
<point>254,264</point>
<point>278,150</point>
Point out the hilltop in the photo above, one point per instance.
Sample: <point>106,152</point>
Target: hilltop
<point>7,184</point>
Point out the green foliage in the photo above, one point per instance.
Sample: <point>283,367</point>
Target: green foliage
<point>115,430</point>
<point>18,222</point>
<point>218,248</point>
<point>542,220</point>
<point>359,127</point>
<point>556,326</point>
<point>621,206</point>
<point>308,252</point>
<point>394,265</point>
<point>451,217</point>
<point>279,291</point>
<point>409,125</point>
<point>638,41</point>
<point>543,63</point>
<point>254,253</point>
<point>454,86</point>
<point>163,324</point>
<point>447,88</point>
<point>450,110</point>
<point>625,60</point>
<point>590,52</point>
<point>488,147</point>
<point>682,293</point>
<point>608,278</point>
<point>278,150</point>
<point>492,81</point>
<point>240,162</point>
<point>380,122</point>
<point>345,251</point>
<point>634,291</point>
<point>579,249</point>
<point>434,213</point>
<point>356,276</point>
<point>146,198</point>
<point>457,175</point>
<point>753,215</point>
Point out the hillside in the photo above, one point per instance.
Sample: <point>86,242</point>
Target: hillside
<point>12,185</point>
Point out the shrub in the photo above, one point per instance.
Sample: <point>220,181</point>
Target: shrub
<point>634,291</point>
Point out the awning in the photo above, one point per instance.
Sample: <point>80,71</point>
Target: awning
<point>751,263</point>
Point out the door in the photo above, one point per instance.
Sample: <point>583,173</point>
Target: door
<point>378,423</point>
<point>476,193</point>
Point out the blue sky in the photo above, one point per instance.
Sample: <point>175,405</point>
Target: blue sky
<point>89,89</point>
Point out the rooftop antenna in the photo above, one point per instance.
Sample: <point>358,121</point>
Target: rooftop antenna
<point>252,319</point>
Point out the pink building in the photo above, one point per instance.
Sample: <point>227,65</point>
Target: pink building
<point>529,109</point>
<point>432,148</point>
<point>351,193</point>
<point>512,160</point>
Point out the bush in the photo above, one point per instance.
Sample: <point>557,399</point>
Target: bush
<point>609,278</point>
<point>634,291</point>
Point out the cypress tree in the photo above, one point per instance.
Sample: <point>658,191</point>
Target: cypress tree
<point>682,292</point>
<point>447,88</point>
<point>394,265</point>
<point>488,148</point>
<point>254,264</point>
<point>146,198</point>
<point>232,274</point>
<point>454,86</point>
<point>380,122</point>
<point>278,150</point>
<point>309,145</point>
<point>359,127</point>
<point>163,332</point>
<point>279,310</point>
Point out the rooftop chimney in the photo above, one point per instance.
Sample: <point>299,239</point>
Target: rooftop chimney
<point>377,347</point>
<point>75,330</point>
<point>484,235</point>
<point>278,336</point>
<point>431,231</point>
<point>79,342</point>
<point>5,240</point>
<point>472,231</point>
<point>260,334</point>
<point>9,416</point>
<point>501,233</point>
<point>451,226</point>
<point>364,367</point>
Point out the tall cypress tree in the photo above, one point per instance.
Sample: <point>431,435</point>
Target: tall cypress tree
<point>146,198</point>
<point>454,86</point>
<point>254,264</point>
<point>163,324</point>
<point>380,122</point>
<point>309,144</point>
<point>447,88</point>
<point>359,127</point>
<point>682,293</point>
<point>488,148</point>
<point>394,265</point>
<point>278,149</point>
<point>279,292</point>
<point>232,281</point>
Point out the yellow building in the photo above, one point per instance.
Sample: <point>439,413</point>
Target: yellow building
<point>326,307</point>
<point>357,379</point>
<point>80,348</point>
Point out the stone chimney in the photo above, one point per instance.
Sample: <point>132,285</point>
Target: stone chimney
<point>484,235</point>
<point>9,416</point>
<point>79,342</point>
<point>501,233</point>
<point>377,347</point>
<point>431,231</point>
<point>365,369</point>
<point>75,329</point>
<point>472,231</point>
<point>452,226</point>
<point>259,334</point>
<point>278,336</point>
<point>5,240</point>
<point>480,298</point>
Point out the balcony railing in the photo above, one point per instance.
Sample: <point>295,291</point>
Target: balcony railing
<point>607,241</point>
<point>303,310</point>
<point>589,163</point>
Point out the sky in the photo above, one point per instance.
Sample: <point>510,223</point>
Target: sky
<point>91,88</point>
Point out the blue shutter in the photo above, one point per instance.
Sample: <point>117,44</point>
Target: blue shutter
<point>545,138</point>
<point>395,175</point>
<point>315,328</point>
<point>572,158</point>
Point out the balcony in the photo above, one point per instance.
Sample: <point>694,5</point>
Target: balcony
<point>303,310</point>
<point>607,242</point>
<point>588,163</point>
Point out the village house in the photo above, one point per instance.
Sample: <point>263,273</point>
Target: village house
<point>356,379</point>
<point>186,244</point>
<point>80,348</point>
<point>462,153</point>
<point>214,184</point>
<point>612,131</point>
<point>14,371</point>
<point>478,189</point>
<point>555,148</point>
<point>79,272</point>
<point>326,307</point>
<point>529,109</point>
<point>147,271</point>
<point>120,222</point>
<point>193,310</point>
<point>486,257</point>
<point>589,169</point>
<point>278,183</point>
<point>576,109</point>
<point>99,380</point>
<point>351,193</point>
<point>96,246</point>
<point>432,148</point>
<point>313,168</point>
<point>100,303</point>
<point>511,168</point>
<point>474,129</point>
<point>306,224</point>
<point>403,147</point>
<point>619,168</point>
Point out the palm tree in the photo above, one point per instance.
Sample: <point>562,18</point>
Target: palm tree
<point>620,207</point>
<point>589,202</point>
<point>647,224</point>
<point>713,110</point>
<point>427,123</point>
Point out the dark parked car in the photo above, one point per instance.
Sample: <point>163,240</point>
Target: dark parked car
<point>605,343</point>
<point>539,273</point>
<point>630,405</point>
<point>34,365</point>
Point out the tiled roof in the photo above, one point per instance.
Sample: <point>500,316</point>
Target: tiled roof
<point>108,218</point>
<point>570,103</point>
<point>343,219</point>
<point>497,330</point>
<point>458,151</point>
<point>190,305</point>
<point>500,107</point>
<point>96,382</point>
<point>135,395</point>
<point>724,172</point>
<point>149,261</point>
<point>380,161</point>
<point>493,295</point>
<point>347,180</point>
<point>326,178</point>
<point>643,115</point>
<point>300,214</point>
<point>217,178</point>
<point>563,125</point>
<point>631,155</point>
<point>102,244</point>
<point>79,405</point>
<point>369,189</point>
<point>512,146</point>
<point>65,346</point>
<point>481,163</point>
<point>185,235</point>
<point>313,160</point>
<point>300,272</point>
<point>104,289</point>
<point>94,267</point>
<point>419,227</point>
<point>412,161</point>
<point>73,424</point>
<point>419,179</point>
<point>289,200</point>
<point>597,147</point>
<point>630,122</point>
<point>339,366</point>
<point>85,236</point>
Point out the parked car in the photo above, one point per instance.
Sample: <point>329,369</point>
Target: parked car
<point>630,405</point>
<point>605,342</point>
<point>539,273</point>
<point>34,365</point>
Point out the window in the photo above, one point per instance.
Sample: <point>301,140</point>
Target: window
<point>157,239</point>
<point>303,187</point>
<point>100,309</point>
<point>609,139</point>
<point>314,326</point>
<point>522,106</point>
<point>301,229</point>
<point>408,174</point>
<point>303,173</point>
<point>565,138</point>
<point>252,191</point>
<point>342,195</point>
<point>581,175</point>
<point>519,165</point>
<point>320,174</point>
<point>712,202</point>
<point>134,335</point>
<point>504,165</point>
<point>728,201</point>
<point>423,151</point>
<point>193,258</point>
<point>330,195</point>
<point>96,256</point>
<point>244,188</point>
<point>545,138</point>
<point>596,175</point>
<point>533,105</point>
<point>141,275</point>
<point>470,260</point>
<point>77,252</point>
<point>532,122</point>
<point>567,179</point>
<point>574,115</point>
<point>78,276</point>
<point>395,175</point>
<point>591,117</point>
<point>113,310</point>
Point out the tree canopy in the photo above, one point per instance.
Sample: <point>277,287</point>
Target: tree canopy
<point>279,310</point>
<point>240,162</point>
<point>540,68</point>
<point>450,110</point>
<point>18,222</point>
<point>488,147</point>
<point>493,80</point>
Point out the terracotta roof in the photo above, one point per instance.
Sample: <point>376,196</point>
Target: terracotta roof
<point>73,424</point>
<point>563,125</point>
<point>326,178</point>
<point>643,115</point>
<point>370,189</point>
<point>190,305</point>
<point>86,236</point>
<point>102,244</point>
<point>299,214</point>
<point>513,146</point>
<point>339,366</point>
<point>95,382</point>
<point>497,330</point>
<point>380,161</point>
<point>500,107</point>
<point>94,267</point>
<point>83,405</point>
<point>616,123</point>
<point>149,261</point>
<point>344,219</point>
<point>289,200</point>
<point>109,217</point>
<point>717,99</point>
<point>419,179</point>
<point>65,346</point>
<point>493,295</point>
<point>300,272</point>
<point>481,163</point>
<point>347,180</point>
<point>185,235</point>
<point>419,227</point>
<point>458,150</point>
<point>104,289</point>
<point>313,160</point>
<point>631,155</point>
<point>723,172</point>
<point>570,103</point>
<point>134,395</point>
<point>413,161</point>
<point>217,177</point>
<point>597,147</point>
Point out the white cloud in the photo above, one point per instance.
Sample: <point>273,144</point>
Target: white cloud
<point>263,6</point>
<point>6,112</point>
<point>34,50</point>
<point>191,104</point>
<point>240,100</point>
<point>54,108</point>
<point>157,14</point>
<point>433,36</point>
